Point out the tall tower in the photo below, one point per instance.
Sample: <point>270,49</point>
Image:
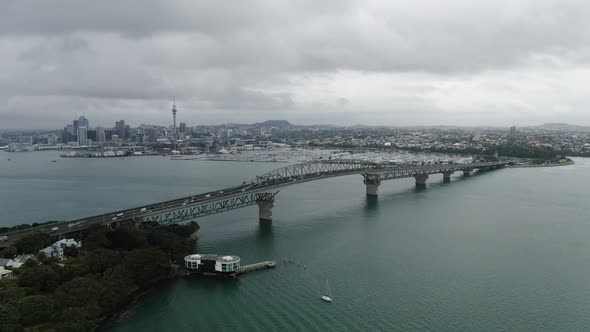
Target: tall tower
<point>174,115</point>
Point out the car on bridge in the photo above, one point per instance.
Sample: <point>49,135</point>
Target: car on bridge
<point>54,229</point>
<point>74,224</point>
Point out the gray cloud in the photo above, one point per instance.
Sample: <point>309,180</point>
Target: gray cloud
<point>399,61</point>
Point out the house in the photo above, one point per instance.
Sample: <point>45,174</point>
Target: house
<point>19,260</point>
<point>4,273</point>
<point>4,261</point>
<point>57,249</point>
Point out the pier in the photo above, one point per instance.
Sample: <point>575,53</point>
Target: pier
<point>257,266</point>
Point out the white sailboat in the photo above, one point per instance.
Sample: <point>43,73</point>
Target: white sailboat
<point>327,298</point>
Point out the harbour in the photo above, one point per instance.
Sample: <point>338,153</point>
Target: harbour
<point>448,255</point>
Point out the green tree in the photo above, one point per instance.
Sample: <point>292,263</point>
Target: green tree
<point>71,251</point>
<point>31,244</point>
<point>171,243</point>
<point>127,237</point>
<point>36,309</point>
<point>118,285</point>
<point>147,265</point>
<point>11,328</point>
<point>83,292</point>
<point>74,267</point>
<point>9,314</point>
<point>96,237</point>
<point>101,259</point>
<point>42,278</point>
<point>8,252</point>
<point>10,293</point>
<point>76,319</point>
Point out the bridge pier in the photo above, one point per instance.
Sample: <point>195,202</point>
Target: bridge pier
<point>467,172</point>
<point>372,187</point>
<point>421,180</point>
<point>265,210</point>
<point>447,176</point>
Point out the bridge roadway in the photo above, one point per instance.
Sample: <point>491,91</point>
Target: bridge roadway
<point>261,191</point>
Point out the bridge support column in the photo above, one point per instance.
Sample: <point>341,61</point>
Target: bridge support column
<point>372,187</point>
<point>421,180</point>
<point>265,210</point>
<point>467,172</point>
<point>447,176</point>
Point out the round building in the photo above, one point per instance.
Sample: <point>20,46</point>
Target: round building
<point>212,264</point>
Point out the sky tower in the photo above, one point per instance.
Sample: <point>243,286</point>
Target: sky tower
<point>174,115</point>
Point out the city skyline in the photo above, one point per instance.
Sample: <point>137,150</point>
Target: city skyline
<point>465,63</point>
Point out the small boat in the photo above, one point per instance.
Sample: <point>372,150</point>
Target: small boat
<point>54,161</point>
<point>327,298</point>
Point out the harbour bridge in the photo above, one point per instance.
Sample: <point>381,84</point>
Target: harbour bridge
<point>260,191</point>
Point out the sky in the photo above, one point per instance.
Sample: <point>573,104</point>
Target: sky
<point>343,62</point>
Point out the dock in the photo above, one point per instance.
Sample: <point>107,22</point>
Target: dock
<point>257,266</point>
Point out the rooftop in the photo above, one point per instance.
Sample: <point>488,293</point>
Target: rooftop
<point>213,257</point>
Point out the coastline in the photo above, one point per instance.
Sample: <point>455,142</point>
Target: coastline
<point>568,163</point>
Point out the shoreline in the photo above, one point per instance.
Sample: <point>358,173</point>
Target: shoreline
<point>568,163</point>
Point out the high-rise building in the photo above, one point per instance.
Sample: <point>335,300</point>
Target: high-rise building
<point>476,135</point>
<point>83,122</point>
<point>183,128</point>
<point>100,135</point>
<point>82,136</point>
<point>120,129</point>
<point>513,132</point>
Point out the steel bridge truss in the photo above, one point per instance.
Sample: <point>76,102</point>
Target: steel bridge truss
<point>189,212</point>
<point>260,188</point>
<point>408,172</point>
<point>312,170</point>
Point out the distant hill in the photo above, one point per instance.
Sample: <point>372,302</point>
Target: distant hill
<point>563,127</point>
<point>275,123</point>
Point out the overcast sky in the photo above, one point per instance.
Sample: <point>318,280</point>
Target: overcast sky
<point>390,62</point>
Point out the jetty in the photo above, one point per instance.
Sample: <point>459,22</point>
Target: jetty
<point>257,266</point>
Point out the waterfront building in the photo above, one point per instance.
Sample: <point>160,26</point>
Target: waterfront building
<point>120,129</point>
<point>26,139</point>
<point>82,136</point>
<point>100,135</point>
<point>212,264</point>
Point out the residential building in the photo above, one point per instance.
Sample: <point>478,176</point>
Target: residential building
<point>4,273</point>
<point>57,249</point>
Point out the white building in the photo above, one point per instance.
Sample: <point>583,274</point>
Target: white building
<point>19,260</point>
<point>4,273</point>
<point>57,249</point>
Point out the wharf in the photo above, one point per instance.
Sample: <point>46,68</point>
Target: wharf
<point>257,266</point>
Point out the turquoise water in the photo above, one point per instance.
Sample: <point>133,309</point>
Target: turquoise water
<point>502,250</point>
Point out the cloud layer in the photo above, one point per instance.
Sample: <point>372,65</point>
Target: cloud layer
<point>466,62</point>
